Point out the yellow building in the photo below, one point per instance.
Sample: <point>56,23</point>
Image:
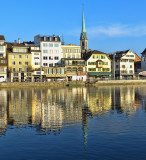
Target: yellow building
<point>19,61</point>
<point>71,51</point>
<point>98,64</point>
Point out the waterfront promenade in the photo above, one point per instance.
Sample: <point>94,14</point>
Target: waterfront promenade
<point>71,83</point>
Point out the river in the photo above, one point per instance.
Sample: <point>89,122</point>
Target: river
<point>73,123</point>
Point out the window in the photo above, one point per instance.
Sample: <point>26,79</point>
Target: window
<point>1,48</point>
<point>68,68</point>
<point>36,53</point>
<point>16,49</point>
<point>20,63</point>
<point>2,61</point>
<point>68,56</point>
<point>45,64</point>
<point>50,58</point>
<point>73,55</point>
<point>51,51</point>
<point>123,66</point>
<point>91,63</point>
<point>117,66</point>
<point>26,69</point>
<point>50,44</point>
<point>77,56</point>
<point>131,71</point>
<point>45,51</point>
<point>26,56</point>
<point>15,74</point>
<point>91,69</point>
<point>20,56</point>
<point>20,69</point>
<point>26,63</point>
<point>45,58</point>
<point>51,65</point>
<point>45,45</point>
<point>36,58</point>
<point>22,50</point>
<point>56,58</point>
<point>13,56</point>
<point>74,69</point>
<point>13,63</point>
<point>14,69</point>
<point>36,63</point>
<point>130,66</point>
<point>130,60</point>
<point>56,45</point>
<point>102,57</point>
<point>93,57</point>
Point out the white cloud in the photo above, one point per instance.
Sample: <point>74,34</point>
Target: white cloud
<point>112,31</point>
<point>117,31</point>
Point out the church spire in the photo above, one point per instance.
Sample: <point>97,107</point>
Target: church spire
<point>83,23</point>
<point>83,36</point>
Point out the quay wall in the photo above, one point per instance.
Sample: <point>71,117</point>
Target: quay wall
<point>72,83</point>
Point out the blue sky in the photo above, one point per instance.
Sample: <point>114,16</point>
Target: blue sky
<point>111,25</point>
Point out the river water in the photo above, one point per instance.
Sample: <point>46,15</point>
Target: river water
<point>106,123</point>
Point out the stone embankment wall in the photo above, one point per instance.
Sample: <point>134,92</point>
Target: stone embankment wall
<point>72,84</point>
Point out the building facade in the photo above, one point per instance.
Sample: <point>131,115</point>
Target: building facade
<point>50,47</point>
<point>71,51</point>
<point>98,65</point>
<point>19,62</point>
<point>3,59</point>
<point>75,69</point>
<point>123,64</point>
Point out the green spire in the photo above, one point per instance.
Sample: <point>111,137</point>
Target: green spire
<point>83,23</point>
<point>83,32</point>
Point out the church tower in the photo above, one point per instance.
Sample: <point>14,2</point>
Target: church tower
<point>83,37</point>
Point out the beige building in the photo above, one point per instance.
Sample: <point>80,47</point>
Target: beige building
<point>71,51</point>
<point>19,62</point>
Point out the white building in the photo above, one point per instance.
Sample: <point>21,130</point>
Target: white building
<point>123,64</point>
<point>35,58</point>
<point>3,59</point>
<point>50,47</point>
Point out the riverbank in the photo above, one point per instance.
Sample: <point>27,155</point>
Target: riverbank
<point>72,83</point>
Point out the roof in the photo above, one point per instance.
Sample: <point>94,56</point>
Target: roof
<point>50,38</point>
<point>2,37</point>
<point>119,54</point>
<point>144,52</point>
<point>87,55</point>
<point>12,45</point>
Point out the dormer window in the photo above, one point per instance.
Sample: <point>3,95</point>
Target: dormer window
<point>45,38</point>
<point>55,38</point>
<point>50,38</point>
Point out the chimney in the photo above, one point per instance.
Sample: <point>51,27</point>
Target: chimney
<point>19,40</point>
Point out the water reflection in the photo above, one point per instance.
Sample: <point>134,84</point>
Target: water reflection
<point>51,109</point>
